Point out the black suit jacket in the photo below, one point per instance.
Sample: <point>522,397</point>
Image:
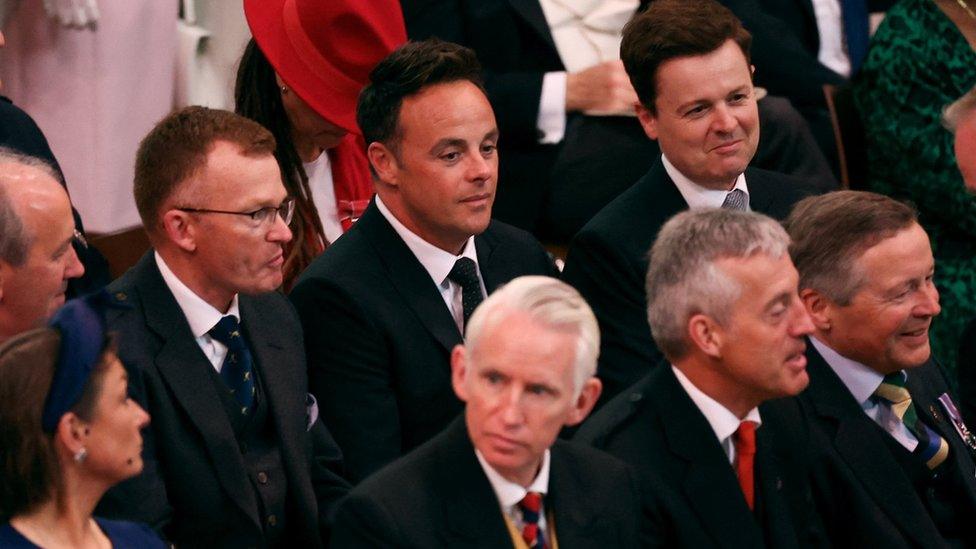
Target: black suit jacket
<point>439,496</point>
<point>863,494</point>
<point>194,487</point>
<point>607,263</point>
<point>690,491</point>
<point>379,336</point>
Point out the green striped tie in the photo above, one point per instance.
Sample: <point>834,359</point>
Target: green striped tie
<point>932,448</point>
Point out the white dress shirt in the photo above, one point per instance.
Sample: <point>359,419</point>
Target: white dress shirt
<point>509,494</point>
<point>862,382</point>
<point>830,27</point>
<point>723,422</point>
<point>322,185</point>
<point>586,33</point>
<point>200,315</point>
<point>697,196</point>
<point>438,264</point>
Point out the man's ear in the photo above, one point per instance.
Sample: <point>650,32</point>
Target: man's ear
<point>384,163</point>
<point>706,334</point>
<point>459,371</point>
<point>585,401</point>
<point>179,228</point>
<point>648,120</point>
<point>819,307</point>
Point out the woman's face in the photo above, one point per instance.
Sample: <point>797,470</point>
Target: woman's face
<point>311,132</point>
<point>114,441</point>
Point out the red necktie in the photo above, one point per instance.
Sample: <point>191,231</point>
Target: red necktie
<point>530,505</point>
<point>745,455</point>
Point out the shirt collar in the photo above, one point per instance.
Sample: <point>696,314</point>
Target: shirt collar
<point>697,196</point>
<point>510,493</point>
<point>722,421</point>
<point>436,261</point>
<point>200,315</point>
<point>859,379</point>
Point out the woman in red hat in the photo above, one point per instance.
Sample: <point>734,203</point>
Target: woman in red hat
<point>300,77</point>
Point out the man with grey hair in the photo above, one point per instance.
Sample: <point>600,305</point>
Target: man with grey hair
<point>723,308</point>
<point>892,460</point>
<point>497,476</point>
<point>36,233</point>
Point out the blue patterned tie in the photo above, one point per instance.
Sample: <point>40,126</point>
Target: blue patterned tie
<point>237,370</point>
<point>737,199</point>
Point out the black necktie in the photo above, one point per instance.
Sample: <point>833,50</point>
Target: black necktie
<point>237,371</point>
<point>465,275</point>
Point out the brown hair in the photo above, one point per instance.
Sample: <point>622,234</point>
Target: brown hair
<point>256,96</point>
<point>675,28</point>
<point>405,72</point>
<point>29,471</point>
<point>831,231</point>
<point>178,146</point>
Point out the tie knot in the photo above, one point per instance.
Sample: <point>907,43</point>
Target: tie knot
<point>745,438</point>
<point>530,505</point>
<point>227,331</point>
<point>464,273</point>
<point>892,388</point>
<point>737,199</point>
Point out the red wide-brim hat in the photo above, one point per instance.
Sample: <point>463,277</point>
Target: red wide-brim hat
<point>324,50</point>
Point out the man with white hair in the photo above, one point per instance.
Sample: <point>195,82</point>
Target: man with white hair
<point>723,307</point>
<point>36,233</point>
<point>497,476</point>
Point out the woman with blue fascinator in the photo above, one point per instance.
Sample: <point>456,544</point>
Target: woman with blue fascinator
<point>68,433</point>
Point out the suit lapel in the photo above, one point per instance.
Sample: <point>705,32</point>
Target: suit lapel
<point>573,515</point>
<point>710,485</point>
<point>776,519</point>
<point>409,277</point>
<point>858,441</point>
<point>531,12</point>
<point>183,367</point>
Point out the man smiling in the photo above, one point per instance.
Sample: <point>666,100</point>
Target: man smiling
<point>689,62</point>
<point>385,306</point>
<point>893,463</point>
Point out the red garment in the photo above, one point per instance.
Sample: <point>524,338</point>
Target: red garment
<point>351,179</point>
<point>745,456</point>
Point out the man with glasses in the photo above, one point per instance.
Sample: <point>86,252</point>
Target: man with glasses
<point>234,455</point>
<point>36,232</point>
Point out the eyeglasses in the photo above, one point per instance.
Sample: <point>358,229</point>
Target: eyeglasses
<point>79,239</point>
<point>261,216</point>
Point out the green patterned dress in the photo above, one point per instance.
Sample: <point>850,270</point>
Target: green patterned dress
<point>918,63</point>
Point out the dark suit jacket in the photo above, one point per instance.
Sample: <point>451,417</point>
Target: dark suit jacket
<point>690,491</point>
<point>607,263</point>
<point>439,496</point>
<point>379,337</point>
<point>194,487</point>
<point>19,132</point>
<point>863,494</point>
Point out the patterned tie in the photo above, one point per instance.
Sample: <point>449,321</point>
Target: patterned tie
<point>465,275</point>
<point>737,199</point>
<point>237,370</point>
<point>745,456</point>
<point>531,506</point>
<point>932,448</point>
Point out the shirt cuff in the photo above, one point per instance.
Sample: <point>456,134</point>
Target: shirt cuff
<point>552,108</point>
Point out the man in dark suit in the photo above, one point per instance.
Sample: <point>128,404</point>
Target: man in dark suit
<point>565,107</point>
<point>385,306</point>
<point>892,460</point>
<point>498,477</point>
<point>707,127</point>
<point>235,456</point>
<point>717,470</point>
<point>37,259</point>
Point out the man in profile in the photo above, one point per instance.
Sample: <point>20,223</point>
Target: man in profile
<point>37,258</point>
<point>716,468</point>
<point>689,62</point>
<point>498,477</point>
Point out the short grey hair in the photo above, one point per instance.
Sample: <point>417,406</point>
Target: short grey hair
<point>550,302</point>
<point>15,242</point>
<point>954,112</point>
<point>683,279</point>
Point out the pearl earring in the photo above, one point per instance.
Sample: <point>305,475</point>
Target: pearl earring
<point>80,455</point>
